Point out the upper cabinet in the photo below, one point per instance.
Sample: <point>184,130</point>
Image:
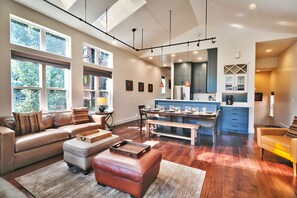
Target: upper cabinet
<point>212,70</point>
<point>182,73</point>
<point>201,75</point>
<point>235,77</point>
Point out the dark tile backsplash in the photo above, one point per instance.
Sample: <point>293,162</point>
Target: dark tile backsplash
<point>237,97</point>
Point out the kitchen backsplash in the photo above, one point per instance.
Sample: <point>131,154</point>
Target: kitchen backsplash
<point>204,96</point>
<point>237,97</point>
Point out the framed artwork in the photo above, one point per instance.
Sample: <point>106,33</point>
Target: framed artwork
<point>140,86</point>
<point>129,85</point>
<point>258,96</point>
<point>150,88</point>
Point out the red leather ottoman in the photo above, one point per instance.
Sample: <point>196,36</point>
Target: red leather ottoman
<point>127,174</point>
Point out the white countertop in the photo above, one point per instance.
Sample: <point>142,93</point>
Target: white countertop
<point>174,100</point>
<point>236,104</point>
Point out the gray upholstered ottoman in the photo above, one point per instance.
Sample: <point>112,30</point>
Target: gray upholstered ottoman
<point>80,154</point>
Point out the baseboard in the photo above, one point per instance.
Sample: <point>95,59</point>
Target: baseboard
<point>117,122</point>
<point>283,125</point>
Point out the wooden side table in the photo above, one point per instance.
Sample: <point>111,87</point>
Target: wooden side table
<point>108,116</point>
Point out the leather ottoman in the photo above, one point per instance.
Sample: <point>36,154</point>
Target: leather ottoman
<point>127,174</point>
<point>80,154</point>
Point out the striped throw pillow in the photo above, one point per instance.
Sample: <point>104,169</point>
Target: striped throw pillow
<point>26,123</point>
<point>80,115</point>
<point>292,132</point>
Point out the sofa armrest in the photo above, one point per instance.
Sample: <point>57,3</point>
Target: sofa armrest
<point>294,149</point>
<point>100,119</point>
<point>7,142</point>
<point>269,131</point>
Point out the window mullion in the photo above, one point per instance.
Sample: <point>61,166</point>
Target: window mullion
<point>44,99</point>
<point>43,40</point>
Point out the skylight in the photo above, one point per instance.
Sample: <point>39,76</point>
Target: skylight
<point>118,12</point>
<point>65,4</point>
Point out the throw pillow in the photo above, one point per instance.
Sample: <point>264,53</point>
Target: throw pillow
<point>10,123</point>
<point>80,115</point>
<point>48,121</point>
<point>292,132</point>
<point>62,119</point>
<point>28,123</point>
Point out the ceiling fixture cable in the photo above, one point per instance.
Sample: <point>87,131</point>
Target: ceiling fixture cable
<point>128,45</point>
<point>85,10</point>
<point>133,32</point>
<point>106,20</point>
<point>142,38</point>
<point>205,18</point>
<point>170,27</point>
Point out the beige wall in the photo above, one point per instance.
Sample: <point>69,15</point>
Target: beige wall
<point>283,83</point>
<point>262,85</point>
<point>126,65</point>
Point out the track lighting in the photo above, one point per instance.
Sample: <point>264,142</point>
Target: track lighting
<point>198,44</point>
<point>152,50</point>
<point>213,41</point>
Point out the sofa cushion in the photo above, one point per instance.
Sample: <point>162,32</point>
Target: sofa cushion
<point>73,130</point>
<point>28,123</point>
<point>278,142</point>
<point>48,121</point>
<point>292,132</point>
<point>62,119</point>
<point>35,140</point>
<point>80,115</point>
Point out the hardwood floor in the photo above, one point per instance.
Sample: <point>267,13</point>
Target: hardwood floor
<point>234,166</point>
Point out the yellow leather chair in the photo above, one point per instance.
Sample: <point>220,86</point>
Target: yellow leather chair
<point>275,141</point>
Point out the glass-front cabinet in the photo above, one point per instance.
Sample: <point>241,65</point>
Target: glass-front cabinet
<point>235,77</point>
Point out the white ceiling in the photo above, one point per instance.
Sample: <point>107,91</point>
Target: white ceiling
<point>153,19</point>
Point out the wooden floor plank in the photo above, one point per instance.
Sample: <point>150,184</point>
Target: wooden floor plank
<point>234,165</point>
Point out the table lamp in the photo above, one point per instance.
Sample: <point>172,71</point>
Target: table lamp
<point>102,103</point>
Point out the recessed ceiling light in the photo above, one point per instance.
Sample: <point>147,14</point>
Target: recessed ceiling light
<point>114,42</point>
<point>195,52</point>
<point>236,25</point>
<point>199,58</point>
<point>150,58</point>
<point>258,70</point>
<point>180,60</point>
<point>165,65</point>
<point>268,50</point>
<point>173,55</point>
<point>253,6</point>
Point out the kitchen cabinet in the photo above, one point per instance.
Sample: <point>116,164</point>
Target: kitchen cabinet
<point>235,78</point>
<point>199,77</point>
<point>182,73</point>
<point>234,119</point>
<point>212,70</point>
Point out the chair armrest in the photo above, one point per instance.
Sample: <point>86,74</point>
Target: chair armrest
<point>269,131</point>
<point>100,119</point>
<point>7,142</point>
<point>294,149</point>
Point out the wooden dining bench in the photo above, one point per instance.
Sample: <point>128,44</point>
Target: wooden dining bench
<point>193,127</point>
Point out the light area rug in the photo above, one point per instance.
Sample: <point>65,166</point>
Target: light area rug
<point>57,180</point>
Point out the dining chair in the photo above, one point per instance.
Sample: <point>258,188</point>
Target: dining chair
<point>211,124</point>
<point>144,116</point>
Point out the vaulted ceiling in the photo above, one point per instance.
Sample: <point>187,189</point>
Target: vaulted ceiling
<point>151,18</point>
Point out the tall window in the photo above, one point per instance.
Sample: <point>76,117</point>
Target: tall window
<point>28,34</point>
<point>94,87</point>
<point>97,56</point>
<point>37,86</point>
<point>38,83</point>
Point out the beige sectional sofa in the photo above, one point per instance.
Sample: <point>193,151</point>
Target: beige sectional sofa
<point>20,150</point>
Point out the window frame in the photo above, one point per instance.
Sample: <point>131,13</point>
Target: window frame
<point>97,51</point>
<point>43,100</point>
<point>97,91</point>
<point>43,31</point>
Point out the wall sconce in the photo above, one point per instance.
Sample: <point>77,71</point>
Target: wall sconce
<point>102,103</point>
